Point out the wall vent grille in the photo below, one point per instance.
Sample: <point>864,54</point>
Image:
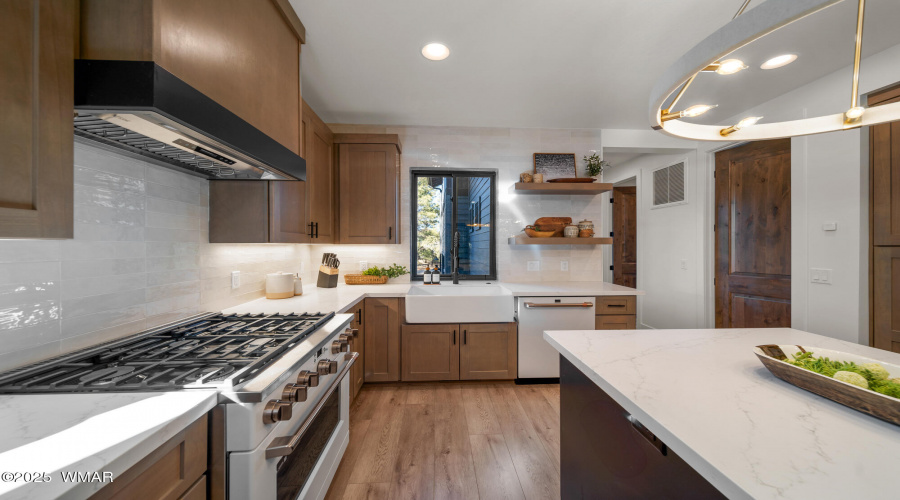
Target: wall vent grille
<point>669,186</point>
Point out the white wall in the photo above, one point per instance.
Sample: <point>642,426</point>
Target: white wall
<point>829,177</point>
<point>509,152</point>
<point>139,258</point>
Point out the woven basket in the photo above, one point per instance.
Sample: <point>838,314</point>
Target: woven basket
<point>362,279</point>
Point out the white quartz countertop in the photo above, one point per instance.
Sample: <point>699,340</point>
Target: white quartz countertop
<point>340,298</point>
<point>56,433</point>
<point>707,396</point>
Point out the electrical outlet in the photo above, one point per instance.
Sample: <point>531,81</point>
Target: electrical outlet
<point>534,265</point>
<point>684,263</point>
<point>235,279</point>
<point>821,276</point>
<point>563,265</point>
<point>302,267</point>
<point>363,265</point>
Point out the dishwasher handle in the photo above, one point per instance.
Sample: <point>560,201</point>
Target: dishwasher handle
<point>531,305</point>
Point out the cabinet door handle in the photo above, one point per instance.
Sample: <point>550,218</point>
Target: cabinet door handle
<point>465,336</point>
<point>389,231</point>
<point>615,305</point>
<point>359,316</point>
<point>311,230</point>
<point>317,229</point>
<point>454,337</point>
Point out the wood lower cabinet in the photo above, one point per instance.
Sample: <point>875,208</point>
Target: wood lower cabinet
<point>489,351</point>
<point>382,339</point>
<point>37,98</point>
<point>472,351</point>
<point>616,312</point>
<point>257,212</point>
<point>318,149</point>
<point>369,181</point>
<point>358,344</point>
<point>175,470</point>
<point>430,352</point>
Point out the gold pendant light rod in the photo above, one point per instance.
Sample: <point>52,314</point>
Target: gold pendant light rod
<point>854,114</point>
<point>679,95</point>
<point>742,9</point>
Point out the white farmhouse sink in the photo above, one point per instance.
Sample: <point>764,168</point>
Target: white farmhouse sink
<point>450,303</point>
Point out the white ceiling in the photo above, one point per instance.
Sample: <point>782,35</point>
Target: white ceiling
<point>539,63</point>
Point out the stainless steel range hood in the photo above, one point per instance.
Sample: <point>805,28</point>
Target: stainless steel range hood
<point>140,108</point>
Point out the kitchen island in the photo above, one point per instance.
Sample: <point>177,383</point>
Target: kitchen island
<point>702,397</point>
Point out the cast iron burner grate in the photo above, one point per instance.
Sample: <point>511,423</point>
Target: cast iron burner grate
<point>210,350</point>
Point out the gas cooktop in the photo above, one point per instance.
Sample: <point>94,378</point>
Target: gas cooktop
<point>209,350</point>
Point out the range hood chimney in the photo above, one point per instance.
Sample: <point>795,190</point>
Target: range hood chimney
<point>139,107</point>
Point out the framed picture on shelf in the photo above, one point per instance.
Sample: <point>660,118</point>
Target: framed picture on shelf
<point>555,165</point>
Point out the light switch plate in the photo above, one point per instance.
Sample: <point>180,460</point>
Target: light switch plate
<point>829,226</point>
<point>235,279</point>
<point>821,276</point>
<point>563,265</point>
<point>534,265</point>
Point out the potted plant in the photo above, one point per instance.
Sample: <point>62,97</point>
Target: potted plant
<point>595,165</point>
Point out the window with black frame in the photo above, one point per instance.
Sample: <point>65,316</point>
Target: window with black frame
<point>446,202</point>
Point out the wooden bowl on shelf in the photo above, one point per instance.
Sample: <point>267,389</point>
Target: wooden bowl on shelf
<point>534,233</point>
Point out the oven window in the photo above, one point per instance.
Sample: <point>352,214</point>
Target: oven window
<point>294,469</point>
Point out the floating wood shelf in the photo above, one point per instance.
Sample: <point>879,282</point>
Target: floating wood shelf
<point>522,239</point>
<point>592,188</point>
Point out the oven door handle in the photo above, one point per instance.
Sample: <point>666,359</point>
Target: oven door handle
<point>284,446</point>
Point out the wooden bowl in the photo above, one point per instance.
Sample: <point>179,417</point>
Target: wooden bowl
<point>867,401</point>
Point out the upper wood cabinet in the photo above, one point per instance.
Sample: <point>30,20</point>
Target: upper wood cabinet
<point>317,146</point>
<point>37,98</point>
<point>369,180</point>
<point>244,54</point>
<point>257,212</point>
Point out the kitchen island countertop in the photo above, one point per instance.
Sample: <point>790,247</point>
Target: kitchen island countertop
<point>707,396</point>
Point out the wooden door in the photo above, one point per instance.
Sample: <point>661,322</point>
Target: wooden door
<point>488,351</point>
<point>382,339</point>
<point>369,196</point>
<point>238,212</point>
<point>37,99</point>
<point>318,150</point>
<point>625,236</point>
<point>287,212</point>
<point>430,352</point>
<point>884,146</point>
<point>753,235</point>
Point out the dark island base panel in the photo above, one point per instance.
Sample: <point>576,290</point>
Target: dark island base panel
<point>606,455</point>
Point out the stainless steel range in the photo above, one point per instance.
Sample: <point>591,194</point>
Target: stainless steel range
<point>281,380</point>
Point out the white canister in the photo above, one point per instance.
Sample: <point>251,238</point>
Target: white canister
<point>298,285</point>
<point>279,285</point>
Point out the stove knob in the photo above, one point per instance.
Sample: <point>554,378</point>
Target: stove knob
<point>276,411</point>
<point>344,337</point>
<point>295,393</point>
<point>353,332</point>
<point>308,379</point>
<point>339,346</point>
<point>327,366</point>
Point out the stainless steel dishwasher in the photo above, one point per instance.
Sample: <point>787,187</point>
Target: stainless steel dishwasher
<point>537,358</point>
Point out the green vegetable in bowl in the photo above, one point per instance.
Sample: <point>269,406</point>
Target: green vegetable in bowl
<point>873,375</point>
<point>852,378</point>
<point>395,271</point>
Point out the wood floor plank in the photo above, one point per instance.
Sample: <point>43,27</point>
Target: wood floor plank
<point>534,466</point>
<point>480,414</point>
<point>494,469</point>
<point>420,395</point>
<point>551,393</point>
<point>544,419</point>
<point>449,393</point>
<point>338,485</point>
<point>414,468</point>
<point>454,471</point>
<point>368,491</point>
<point>378,455</point>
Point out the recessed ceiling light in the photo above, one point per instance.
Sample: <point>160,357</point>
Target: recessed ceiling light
<point>779,61</point>
<point>435,51</point>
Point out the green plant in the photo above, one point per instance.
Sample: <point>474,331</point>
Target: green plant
<point>595,165</point>
<point>394,271</point>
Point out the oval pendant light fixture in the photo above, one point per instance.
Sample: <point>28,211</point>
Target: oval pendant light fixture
<point>711,55</point>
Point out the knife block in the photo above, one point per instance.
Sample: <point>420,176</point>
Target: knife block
<point>328,277</point>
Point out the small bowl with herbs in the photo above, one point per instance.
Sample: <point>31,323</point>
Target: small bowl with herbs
<point>862,383</point>
<point>376,275</point>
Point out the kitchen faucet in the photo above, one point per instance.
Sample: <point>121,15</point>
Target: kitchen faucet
<point>454,258</point>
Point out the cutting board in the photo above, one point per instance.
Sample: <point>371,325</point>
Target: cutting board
<point>556,224</point>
